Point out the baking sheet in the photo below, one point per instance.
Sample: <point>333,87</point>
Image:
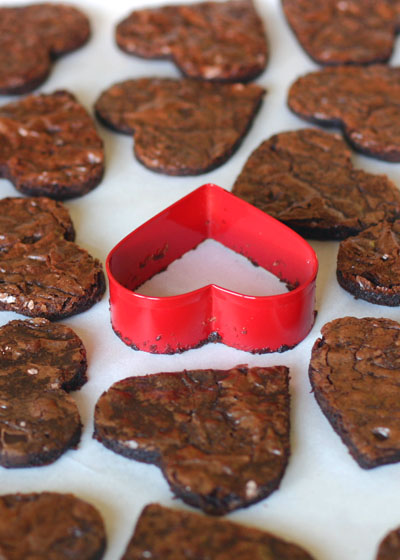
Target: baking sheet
<point>326,502</point>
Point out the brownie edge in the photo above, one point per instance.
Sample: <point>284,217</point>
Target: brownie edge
<point>50,526</point>
<point>220,437</point>
<point>354,372</point>
<point>368,264</point>
<point>166,534</point>
<point>389,548</point>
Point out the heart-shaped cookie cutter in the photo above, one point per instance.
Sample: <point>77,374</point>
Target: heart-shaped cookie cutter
<point>212,314</point>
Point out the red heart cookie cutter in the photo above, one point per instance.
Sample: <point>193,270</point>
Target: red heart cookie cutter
<point>212,314</point>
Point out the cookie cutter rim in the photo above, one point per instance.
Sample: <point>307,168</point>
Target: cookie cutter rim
<point>170,324</point>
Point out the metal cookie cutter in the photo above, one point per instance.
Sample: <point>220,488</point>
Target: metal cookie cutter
<point>212,314</point>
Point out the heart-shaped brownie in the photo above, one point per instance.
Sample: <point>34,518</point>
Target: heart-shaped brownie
<point>181,127</point>
<point>49,146</point>
<point>336,32</point>
<point>222,41</point>
<point>179,535</point>
<point>305,178</point>
<point>39,362</point>
<point>42,272</point>
<point>221,438</point>
<point>368,264</point>
<point>389,548</point>
<point>50,525</point>
<point>354,373</point>
<point>363,100</point>
<point>31,36</point>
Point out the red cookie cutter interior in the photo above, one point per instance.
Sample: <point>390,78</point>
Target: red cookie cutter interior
<point>211,313</point>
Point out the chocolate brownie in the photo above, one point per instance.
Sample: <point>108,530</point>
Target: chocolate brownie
<point>305,178</point>
<point>39,362</point>
<point>42,272</point>
<point>221,438</point>
<point>336,32</point>
<point>208,40</point>
<point>31,37</point>
<point>354,373</point>
<point>368,264</point>
<point>49,146</point>
<point>167,534</point>
<point>50,526</point>
<point>389,548</point>
<point>362,100</point>
<point>181,127</point>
